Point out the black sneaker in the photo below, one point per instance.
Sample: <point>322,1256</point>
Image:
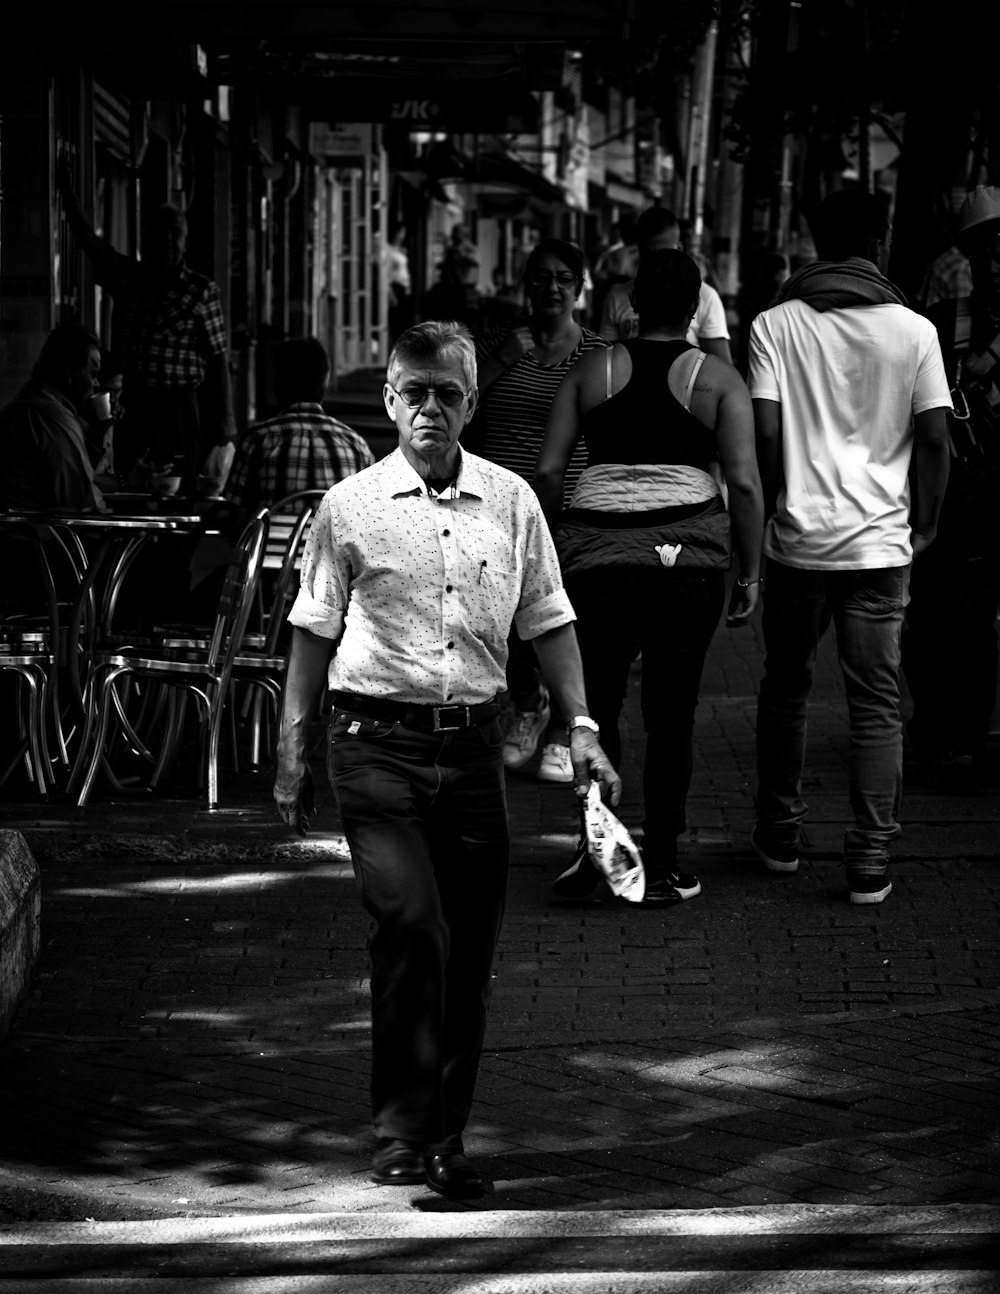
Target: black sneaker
<point>868,889</point>
<point>776,858</point>
<point>581,880</point>
<point>671,887</point>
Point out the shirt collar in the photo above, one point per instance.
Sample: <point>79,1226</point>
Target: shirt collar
<point>401,478</point>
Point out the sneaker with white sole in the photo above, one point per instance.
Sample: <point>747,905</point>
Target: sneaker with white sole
<point>868,889</point>
<point>555,764</point>
<point>776,858</point>
<point>524,728</point>
<point>672,887</point>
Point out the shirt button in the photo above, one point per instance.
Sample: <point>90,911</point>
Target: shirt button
<point>446,533</point>
<point>447,588</point>
<point>449,696</point>
<point>450,645</point>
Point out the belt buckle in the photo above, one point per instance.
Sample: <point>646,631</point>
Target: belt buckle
<point>451,727</point>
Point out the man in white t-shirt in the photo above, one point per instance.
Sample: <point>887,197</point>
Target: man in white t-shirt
<point>848,386</point>
<point>659,230</point>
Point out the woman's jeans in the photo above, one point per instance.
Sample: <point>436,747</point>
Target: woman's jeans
<point>425,815</point>
<point>670,615</point>
<point>866,608</point>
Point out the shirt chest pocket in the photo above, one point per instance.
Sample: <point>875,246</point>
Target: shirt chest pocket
<point>493,598</point>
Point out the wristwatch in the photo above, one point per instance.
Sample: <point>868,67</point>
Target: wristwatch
<point>583,721</point>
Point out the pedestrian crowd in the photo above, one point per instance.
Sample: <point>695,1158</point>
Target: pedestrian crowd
<point>469,605</point>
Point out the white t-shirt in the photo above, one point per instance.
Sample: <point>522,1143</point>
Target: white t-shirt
<point>619,321</point>
<point>848,382</point>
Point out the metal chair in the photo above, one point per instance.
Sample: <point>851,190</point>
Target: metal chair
<point>260,663</point>
<point>33,647</point>
<point>189,669</point>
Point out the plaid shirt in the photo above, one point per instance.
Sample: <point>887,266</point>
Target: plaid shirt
<point>167,337</point>
<point>302,448</point>
<point>948,278</point>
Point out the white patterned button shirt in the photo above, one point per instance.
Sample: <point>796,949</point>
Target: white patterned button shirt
<point>421,590</point>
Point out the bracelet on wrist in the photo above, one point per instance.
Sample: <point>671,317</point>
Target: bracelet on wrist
<point>745,584</point>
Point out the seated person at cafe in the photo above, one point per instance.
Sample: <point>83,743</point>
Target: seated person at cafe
<point>42,441</point>
<point>100,421</point>
<point>301,448</point>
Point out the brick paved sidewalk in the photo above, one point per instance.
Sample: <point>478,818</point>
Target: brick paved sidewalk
<point>197,1038</point>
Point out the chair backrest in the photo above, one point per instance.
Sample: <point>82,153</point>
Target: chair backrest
<point>239,591</point>
<point>291,560</point>
<point>284,516</point>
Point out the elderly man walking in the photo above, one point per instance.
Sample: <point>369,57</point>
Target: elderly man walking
<point>413,573</point>
<point>848,385</point>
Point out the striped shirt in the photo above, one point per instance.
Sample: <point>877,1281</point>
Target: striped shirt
<point>515,409</point>
<point>302,448</point>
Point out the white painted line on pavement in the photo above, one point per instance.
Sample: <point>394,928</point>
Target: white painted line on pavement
<point>297,1228</point>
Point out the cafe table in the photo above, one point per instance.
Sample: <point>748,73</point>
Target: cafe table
<point>107,545</point>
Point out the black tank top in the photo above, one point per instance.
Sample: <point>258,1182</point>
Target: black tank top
<point>644,423</point>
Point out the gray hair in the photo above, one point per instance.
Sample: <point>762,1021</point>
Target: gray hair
<point>430,343</point>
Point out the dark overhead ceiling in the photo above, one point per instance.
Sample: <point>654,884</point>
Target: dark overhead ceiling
<point>58,33</point>
<point>367,60</point>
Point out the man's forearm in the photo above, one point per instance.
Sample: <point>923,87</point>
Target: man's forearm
<point>932,464</point>
<point>767,420</point>
<point>219,397</point>
<point>747,513</point>
<point>305,678</point>
<point>559,657</point>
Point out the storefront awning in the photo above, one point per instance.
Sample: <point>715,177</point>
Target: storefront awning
<point>491,172</point>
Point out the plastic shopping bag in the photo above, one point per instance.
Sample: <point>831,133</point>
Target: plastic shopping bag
<point>612,849</point>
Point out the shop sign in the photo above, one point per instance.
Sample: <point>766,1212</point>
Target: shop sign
<point>336,144</point>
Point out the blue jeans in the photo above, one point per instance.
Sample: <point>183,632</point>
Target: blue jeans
<point>425,815</point>
<point>866,608</point>
<point>670,615</point>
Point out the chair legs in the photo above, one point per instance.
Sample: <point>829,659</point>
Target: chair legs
<point>33,742</point>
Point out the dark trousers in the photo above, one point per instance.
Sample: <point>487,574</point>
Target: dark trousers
<point>425,815</point>
<point>670,615</point>
<point>866,609</point>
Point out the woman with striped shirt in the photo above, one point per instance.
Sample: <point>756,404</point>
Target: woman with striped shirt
<point>521,366</point>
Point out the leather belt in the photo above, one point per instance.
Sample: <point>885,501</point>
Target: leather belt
<point>425,718</point>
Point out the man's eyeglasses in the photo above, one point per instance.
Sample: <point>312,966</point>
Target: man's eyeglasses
<point>541,279</point>
<point>414,396</point>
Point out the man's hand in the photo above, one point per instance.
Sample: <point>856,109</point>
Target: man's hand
<point>591,764</point>
<point>293,791</point>
<point>920,540</point>
<point>742,604</point>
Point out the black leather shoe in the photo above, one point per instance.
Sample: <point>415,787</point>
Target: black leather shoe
<point>450,1173</point>
<point>398,1163</point>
